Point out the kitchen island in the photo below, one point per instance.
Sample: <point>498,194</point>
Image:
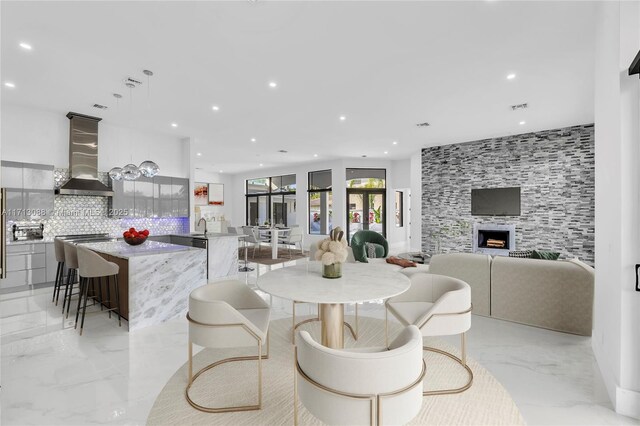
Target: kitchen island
<point>155,279</point>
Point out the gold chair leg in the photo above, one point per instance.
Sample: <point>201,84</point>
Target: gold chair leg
<point>295,387</point>
<point>193,377</point>
<point>462,361</point>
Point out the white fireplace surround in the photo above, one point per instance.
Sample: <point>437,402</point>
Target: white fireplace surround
<point>494,227</point>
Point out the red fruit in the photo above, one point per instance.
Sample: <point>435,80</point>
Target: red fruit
<point>145,232</point>
<point>135,234</point>
<point>124,234</point>
<point>132,230</point>
<point>127,234</point>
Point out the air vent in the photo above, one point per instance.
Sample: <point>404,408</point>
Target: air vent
<point>100,106</point>
<point>425,124</point>
<point>519,106</point>
<point>132,80</point>
<point>364,156</point>
<point>284,151</point>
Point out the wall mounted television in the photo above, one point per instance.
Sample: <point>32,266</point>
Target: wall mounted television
<point>495,201</point>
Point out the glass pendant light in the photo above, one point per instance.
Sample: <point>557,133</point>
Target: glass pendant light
<point>130,172</point>
<point>148,168</point>
<point>116,173</point>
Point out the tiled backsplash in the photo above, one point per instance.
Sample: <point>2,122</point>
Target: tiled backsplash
<point>89,215</point>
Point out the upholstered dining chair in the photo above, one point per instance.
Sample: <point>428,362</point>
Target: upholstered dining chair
<point>312,251</point>
<point>364,386</point>
<point>293,238</point>
<point>227,314</point>
<point>359,245</point>
<point>438,306</point>
<point>253,237</point>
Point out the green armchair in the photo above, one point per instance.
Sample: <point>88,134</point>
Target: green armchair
<point>359,247</point>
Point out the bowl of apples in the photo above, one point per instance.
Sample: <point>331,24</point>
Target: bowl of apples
<point>135,238</point>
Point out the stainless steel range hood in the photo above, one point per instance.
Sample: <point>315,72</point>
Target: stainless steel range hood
<point>83,158</point>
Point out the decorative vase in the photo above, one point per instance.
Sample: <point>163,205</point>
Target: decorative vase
<point>332,271</point>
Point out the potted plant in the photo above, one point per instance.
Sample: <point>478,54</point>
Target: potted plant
<point>332,252</point>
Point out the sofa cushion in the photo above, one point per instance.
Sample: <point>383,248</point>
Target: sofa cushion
<point>374,250</point>
<point>544,254</point>
<point>523,254</point>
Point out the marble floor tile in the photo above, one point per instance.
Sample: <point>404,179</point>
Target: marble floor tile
<point>53,376</point>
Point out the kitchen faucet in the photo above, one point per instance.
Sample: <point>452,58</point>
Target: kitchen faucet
<point>205,225</point>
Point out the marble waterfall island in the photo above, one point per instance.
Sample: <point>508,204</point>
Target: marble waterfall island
<point>155,278</point>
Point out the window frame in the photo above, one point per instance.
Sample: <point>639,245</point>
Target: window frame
<point>312,191</point>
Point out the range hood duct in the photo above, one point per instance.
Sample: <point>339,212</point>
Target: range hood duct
<point>83,158</point>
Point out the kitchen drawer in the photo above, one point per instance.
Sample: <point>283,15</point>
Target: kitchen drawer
<point>20,278</point>
<point>26,248</point>
<point>20,262</point>
<point>51,262</point>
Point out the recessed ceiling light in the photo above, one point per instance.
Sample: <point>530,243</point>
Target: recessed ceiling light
<point>253,139</point>
<point>199,154</point>
<point>261,164</point>
<point>315,155</point>
<point>215,108</point>
<point>395,142</point>
<point>25,46</point>
<point>273,84</point>
<point>174,125</point>
<point>511,76</point>
<point>220,171</point>
<point>9,84</point>
<point>386,152</point>
<point>342,118</point>
<point>523,122</point>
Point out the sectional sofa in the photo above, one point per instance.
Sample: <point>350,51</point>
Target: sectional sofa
<point>552,294</point>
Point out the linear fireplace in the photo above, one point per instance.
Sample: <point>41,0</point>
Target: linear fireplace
<point>494,239</point>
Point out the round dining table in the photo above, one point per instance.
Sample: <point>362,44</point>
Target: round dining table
<point>360,282</point>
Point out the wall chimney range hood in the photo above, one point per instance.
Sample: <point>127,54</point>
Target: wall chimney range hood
<point>83,158</point>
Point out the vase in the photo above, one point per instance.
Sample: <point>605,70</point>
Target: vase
<point>332,271</point>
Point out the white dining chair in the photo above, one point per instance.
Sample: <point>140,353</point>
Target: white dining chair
<point>293,238</point>
<point>364,386</point>
<point>227,314</point>
<point>438,306</point>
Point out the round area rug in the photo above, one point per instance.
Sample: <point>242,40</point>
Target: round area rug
<point>485,403</point>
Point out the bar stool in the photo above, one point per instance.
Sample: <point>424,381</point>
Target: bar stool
<point>93,268</point>
<point>71,262</point>
<point>58,246</point>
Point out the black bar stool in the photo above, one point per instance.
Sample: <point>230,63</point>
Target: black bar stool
<point>71,262</point>
<point>58,246</point>
<point>94,269</point>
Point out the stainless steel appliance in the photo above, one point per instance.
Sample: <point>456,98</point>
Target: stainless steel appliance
<point>83,158</point>
<point>86,238</point>
<point>27,232</point>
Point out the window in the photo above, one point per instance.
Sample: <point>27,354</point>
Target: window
<point>271,200</point>
<point>320,202</point>
<point>366,178</point>
<point>399,209</point>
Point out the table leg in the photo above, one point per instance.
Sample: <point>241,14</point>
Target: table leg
<point>332,318</point>
<point>274,244</point>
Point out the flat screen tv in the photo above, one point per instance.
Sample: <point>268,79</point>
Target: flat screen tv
<point>495,202</point>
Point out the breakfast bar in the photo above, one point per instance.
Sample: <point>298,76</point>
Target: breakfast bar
<point>155,279</point>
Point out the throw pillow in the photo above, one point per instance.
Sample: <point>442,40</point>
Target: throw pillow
<point>405,263</point>
<point>374,250</point>
<point>544,254</point>
<point>523,254</point>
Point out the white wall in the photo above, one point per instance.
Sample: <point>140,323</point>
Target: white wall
<point>616,339</point>
<point>40,136</point>
<point>399,176</point>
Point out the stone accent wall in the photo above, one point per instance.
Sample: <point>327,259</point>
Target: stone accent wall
<point>555,170</point>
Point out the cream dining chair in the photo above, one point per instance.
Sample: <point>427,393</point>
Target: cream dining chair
<point>438,306</point>
<point>364,386</point>
<point>227,314</point>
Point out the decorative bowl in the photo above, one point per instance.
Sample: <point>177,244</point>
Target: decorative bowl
<point>135,241</point>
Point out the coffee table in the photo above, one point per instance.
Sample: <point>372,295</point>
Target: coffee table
<point>360,282</point>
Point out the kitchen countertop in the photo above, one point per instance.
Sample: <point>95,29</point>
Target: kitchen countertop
<point>210,235</point>
<point>126,251</point>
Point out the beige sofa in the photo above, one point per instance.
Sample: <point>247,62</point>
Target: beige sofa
<point>553,294</point>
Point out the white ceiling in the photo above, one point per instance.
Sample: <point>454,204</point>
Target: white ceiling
<point>384,65</point>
